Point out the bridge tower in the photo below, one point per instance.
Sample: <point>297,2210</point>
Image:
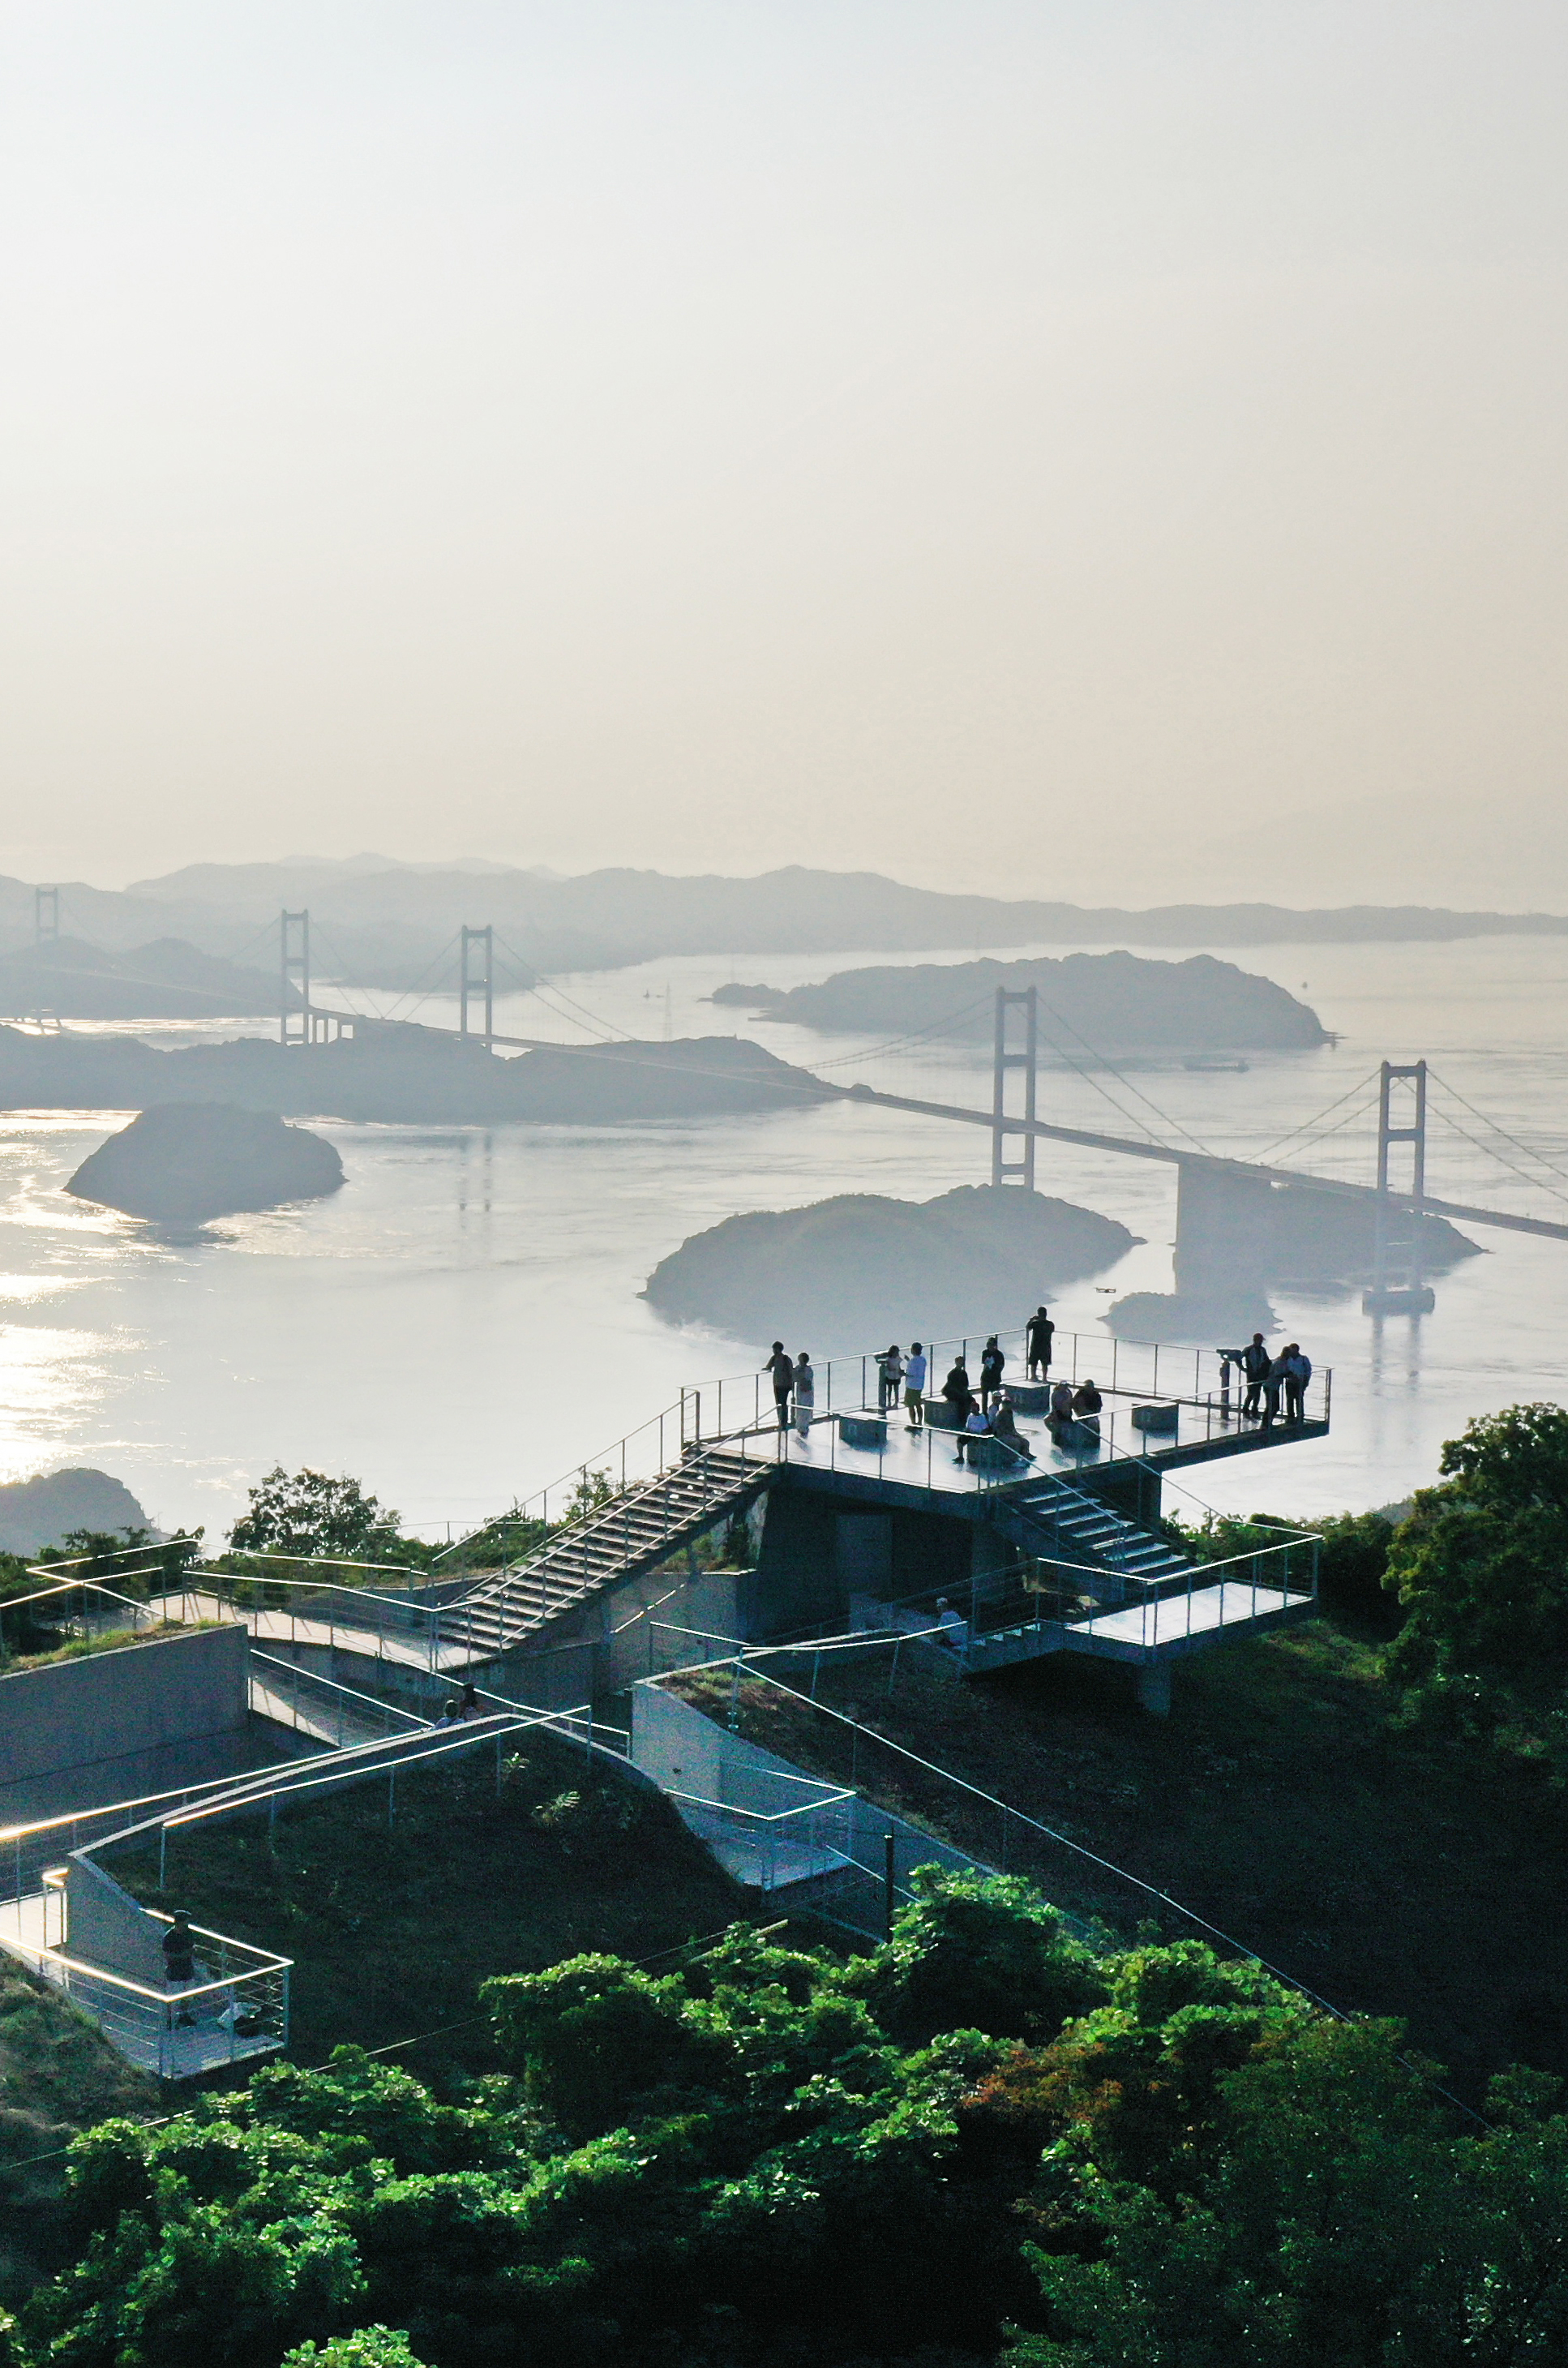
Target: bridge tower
<point>1014,1056</point>
<point>46,917</point>
<point>294,979</point>
<point>1398,1288</point>
<point>478,946</point>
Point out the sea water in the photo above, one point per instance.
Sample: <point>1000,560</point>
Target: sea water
<point>462,1323</point>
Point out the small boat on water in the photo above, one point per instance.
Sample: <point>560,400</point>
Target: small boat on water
<point>1212,1061</point>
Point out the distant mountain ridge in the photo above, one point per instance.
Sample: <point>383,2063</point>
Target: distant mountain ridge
<point>380,923</point>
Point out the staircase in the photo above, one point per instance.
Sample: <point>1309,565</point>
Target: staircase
<point>1148,1601</point>
<point>627,1538</point>
<point>1059,1523</point>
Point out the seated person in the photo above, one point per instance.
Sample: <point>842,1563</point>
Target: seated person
<point>953,1626</point>
<point>1005,1425</point>
<point>1086,1405</point>
<point>1061,1415</point>
<point>957,1392</point>
<point>977,1425</point>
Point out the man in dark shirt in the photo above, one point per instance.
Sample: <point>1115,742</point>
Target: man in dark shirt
<point>783,1368</point>
<point>1039,1333</point>
<point>179,1958</point>
<point>1254,1364</point>
<point>991,1360</point>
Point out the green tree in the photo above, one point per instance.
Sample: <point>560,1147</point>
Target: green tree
<point>1481,1569</point>
<point>308,1513</point>
<point>367,2347</point>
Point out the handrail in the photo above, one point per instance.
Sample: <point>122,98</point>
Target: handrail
<point>992,1800</point>
<point>187,1990</point>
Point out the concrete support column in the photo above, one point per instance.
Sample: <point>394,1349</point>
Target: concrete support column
<point>1154,1688</point>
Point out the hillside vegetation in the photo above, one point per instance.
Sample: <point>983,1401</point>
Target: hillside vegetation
<point>982,2138</point>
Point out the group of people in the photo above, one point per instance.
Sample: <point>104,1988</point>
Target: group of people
<point>896,1372</point>
<point>988,1413</point>
<point>1272,1379</point>
<point>794,1388</point>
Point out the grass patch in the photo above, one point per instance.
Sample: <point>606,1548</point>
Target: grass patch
<point>57,2076</point>
<point>392,1928</point>
<point>1392,1873</point>
<point>113,1640</point>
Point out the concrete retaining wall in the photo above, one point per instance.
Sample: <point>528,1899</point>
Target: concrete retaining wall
<point>142,1697</point>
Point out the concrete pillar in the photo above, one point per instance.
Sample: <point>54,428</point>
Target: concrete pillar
<point>1154,1688</point>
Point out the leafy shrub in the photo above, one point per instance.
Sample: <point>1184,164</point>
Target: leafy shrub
<point>1159,2159</point>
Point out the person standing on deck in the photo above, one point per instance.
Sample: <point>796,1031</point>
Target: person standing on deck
<point>179,1959</point>
<point>1298,1373</point>
<point>1272,1383</point>
<point>805,1392</point>
<point>783,1373</point>
<point>914,1387</point>
<point>890,1374</point>
<point>991,1360</point>
<point>1254,1362</point>
<point>1039,1334</point>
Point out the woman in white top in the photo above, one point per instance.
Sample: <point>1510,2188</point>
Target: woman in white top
<point>805,1392</point>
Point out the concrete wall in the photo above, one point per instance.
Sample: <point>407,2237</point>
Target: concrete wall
<point>104,1926</point>
<point>121,1705</point>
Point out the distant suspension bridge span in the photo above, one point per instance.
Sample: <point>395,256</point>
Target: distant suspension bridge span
<point>1223,1211</point>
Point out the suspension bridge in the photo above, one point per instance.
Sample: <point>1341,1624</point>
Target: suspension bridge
<point>1226,1202</point>
<point>1227,1199</point>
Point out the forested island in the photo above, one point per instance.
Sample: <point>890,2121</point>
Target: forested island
<point>183,1163</point>
<point>400,1075</point>
<point>860,1268</point>
<point>1106,1002</point>
<point>169,979</point>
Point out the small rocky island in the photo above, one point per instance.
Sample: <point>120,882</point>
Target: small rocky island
<point>859,1270</point>
<point>183,1163</point>
<point>1111,1002</point>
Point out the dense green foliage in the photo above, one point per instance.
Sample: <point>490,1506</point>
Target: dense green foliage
<point>1481,1568</point>
<point>58,2075</point>
<point>309,1513</point>
<point>771,2156</point>
<point>1352,1558</point>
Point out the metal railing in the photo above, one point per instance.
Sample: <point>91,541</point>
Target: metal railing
<point>1058,1597</point>
<point>1106,1904</point>
<point>335,1714</point>
<point>239,2008</point>
<point>1204,1382</point>
<point>420,1619</point>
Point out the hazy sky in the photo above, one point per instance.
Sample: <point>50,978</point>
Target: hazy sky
<point>1008,446</point>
